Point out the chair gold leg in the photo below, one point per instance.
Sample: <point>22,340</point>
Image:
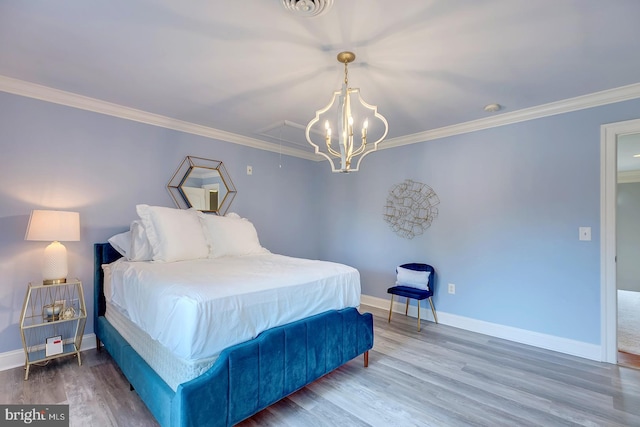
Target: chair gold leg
<point>418,315</point>
<point>406,308</point>
<point>390,308</point>
<point>433,310</point>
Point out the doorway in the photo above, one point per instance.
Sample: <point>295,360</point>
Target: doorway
<point>611,135</point>
<point>628,250</point>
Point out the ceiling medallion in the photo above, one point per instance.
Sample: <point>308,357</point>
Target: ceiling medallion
<point>307,8</point>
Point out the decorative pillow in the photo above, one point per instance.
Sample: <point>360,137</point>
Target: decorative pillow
<point>230,236</point>
<point>121,243</point>
<point>139,248</point>
<point>174,234</point>
<point>413,278</point>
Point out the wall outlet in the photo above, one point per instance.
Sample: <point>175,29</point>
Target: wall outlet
<point>452,288</point>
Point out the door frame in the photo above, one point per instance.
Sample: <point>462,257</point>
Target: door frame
<point>609,134</point>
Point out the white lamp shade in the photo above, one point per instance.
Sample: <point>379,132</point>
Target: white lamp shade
<point>54,226</point>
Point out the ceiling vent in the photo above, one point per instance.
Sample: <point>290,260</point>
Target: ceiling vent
<point>307,8</point>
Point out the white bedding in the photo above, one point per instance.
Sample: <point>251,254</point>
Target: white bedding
<point>199,307</point>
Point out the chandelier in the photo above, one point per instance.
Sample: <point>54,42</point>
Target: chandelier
<point>346,115</point>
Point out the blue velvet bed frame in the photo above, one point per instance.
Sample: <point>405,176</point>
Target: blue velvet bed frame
<point>247,377</point>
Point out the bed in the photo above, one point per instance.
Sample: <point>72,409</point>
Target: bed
<point>241,379</point>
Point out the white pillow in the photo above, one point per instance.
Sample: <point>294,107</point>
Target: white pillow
<point>139,248</point>
<point>174,234</point>
<point>106,281</point>
<point>413,278</point>
<point>230,236</point>
<point>121,243</point>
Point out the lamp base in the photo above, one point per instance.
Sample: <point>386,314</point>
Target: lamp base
<point>54,266</point>
<point>54,281</point>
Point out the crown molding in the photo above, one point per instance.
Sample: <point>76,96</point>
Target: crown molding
<point>44,93</point>
<point>628,177</point>
<point>611,96</point>
<point>56,96</point>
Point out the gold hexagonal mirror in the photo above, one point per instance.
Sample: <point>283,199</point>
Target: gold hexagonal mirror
<point>202,184</point>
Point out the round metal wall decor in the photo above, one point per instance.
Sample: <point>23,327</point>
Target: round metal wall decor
<point>410,208</point>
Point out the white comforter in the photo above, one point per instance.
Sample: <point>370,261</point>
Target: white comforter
<point>197,308</point>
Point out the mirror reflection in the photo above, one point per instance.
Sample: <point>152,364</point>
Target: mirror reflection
<point>204,189</point>
<point>202,184</point>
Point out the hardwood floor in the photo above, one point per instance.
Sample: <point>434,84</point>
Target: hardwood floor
<point>441,376</point>
<point>629,360</point>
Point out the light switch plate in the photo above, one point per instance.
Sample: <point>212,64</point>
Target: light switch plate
<point>585,233</point>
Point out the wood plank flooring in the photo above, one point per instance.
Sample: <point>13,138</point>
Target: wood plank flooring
<point>629,360</point>
<point>441,376</point>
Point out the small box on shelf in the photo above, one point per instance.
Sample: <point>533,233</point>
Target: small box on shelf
<point>53,346</point>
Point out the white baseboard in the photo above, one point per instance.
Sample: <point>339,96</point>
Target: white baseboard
<point>13,359</point>
<point>536,339</point>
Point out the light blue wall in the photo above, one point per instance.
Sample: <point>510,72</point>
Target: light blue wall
<point>511,201</point>
<point>628,239</point>
<point>55,157</point>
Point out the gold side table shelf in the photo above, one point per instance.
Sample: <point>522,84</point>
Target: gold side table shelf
<point>52,311</point>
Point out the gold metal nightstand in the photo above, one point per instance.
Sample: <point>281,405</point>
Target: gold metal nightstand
<point>52,322</point>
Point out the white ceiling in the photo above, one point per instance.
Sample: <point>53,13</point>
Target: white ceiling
<point>248,67</point>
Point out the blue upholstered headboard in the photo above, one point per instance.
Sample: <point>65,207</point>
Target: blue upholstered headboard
<point>103,253</point>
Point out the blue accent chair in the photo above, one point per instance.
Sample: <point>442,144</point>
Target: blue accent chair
<point>414,293</point>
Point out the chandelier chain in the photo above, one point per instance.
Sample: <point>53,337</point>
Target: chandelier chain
<point>346,74</point>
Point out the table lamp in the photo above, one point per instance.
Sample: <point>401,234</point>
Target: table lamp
<point>54,226</point>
